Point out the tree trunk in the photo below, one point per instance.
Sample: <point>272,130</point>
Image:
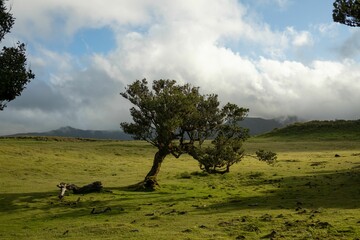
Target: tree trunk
<point>150,181</point>
<point>92,187</point>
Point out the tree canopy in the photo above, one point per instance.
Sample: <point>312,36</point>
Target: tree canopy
<point>13,73</point>
<point>347,12</point>
<point>177,119</point>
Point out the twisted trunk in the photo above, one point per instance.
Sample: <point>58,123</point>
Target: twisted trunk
<point>150,181</point>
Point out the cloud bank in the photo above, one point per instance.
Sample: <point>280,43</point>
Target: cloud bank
<point>215,45</point>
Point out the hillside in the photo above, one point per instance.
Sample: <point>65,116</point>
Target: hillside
<point>255,125</point>
<point>319,130</point>
<point>307,194</point>
<point>79,133</point>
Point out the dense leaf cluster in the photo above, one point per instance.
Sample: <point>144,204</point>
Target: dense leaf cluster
<point>347,12</point>
<point>13,73</point>
<point>266,156</point>
<point>6,20</point>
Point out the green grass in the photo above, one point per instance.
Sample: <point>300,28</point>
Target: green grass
<point>319,130</point>
<point>308,194</point>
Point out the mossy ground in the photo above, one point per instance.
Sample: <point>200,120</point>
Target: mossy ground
<point>308,194</point>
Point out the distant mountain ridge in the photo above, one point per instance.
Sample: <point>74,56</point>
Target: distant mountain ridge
<point>79,133</point>
<point>256,126</point>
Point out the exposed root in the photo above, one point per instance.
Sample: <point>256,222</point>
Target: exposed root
<point>149,184</point>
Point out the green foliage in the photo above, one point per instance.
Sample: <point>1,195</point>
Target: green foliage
<point>165,113</point>
<point>13,73</point>
<point>347,12</point>
<point>177,119</point>
<point>6,20</point>
<point>225,150</point>
<point>266,156</point>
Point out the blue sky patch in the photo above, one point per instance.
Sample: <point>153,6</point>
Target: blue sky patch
<point>92,40</point>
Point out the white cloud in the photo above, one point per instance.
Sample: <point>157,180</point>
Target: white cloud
<point>321,90</point>
<point>351,46</point>
<point>329,29</point>
<point>48,19</point>
<point>182,40</point>
<point>302,39</point>
<point>269,87</point>
<point>299,39</point>
<point>280,4</point>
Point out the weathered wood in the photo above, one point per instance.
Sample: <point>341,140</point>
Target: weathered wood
<point>92,187</point>
<point>100,211</point>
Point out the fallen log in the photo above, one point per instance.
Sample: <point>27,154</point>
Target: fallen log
<point>100,211</point>
<point>90,188</point>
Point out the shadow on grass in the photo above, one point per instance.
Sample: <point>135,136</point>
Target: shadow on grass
<point>113,202</point>
<point>328,189</point>
<point>23,201</point>
<point>47,206</point>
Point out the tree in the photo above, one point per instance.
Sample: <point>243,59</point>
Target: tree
<point>226,148</point>
<point>13,73</point>
<point>266,156</point>
<point>177,119</point>
<point>347,12</point>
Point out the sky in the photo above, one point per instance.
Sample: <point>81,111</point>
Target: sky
<point>276,57</point>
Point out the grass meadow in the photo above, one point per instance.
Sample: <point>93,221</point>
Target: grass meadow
<point>308,194</point>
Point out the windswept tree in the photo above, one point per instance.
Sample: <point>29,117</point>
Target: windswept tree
<point>177,119</point>
<point>347,12</point>
<point>13,73</point>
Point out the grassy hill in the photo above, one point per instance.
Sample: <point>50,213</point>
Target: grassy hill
<point>319,130</point>
<point>307,194</point>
